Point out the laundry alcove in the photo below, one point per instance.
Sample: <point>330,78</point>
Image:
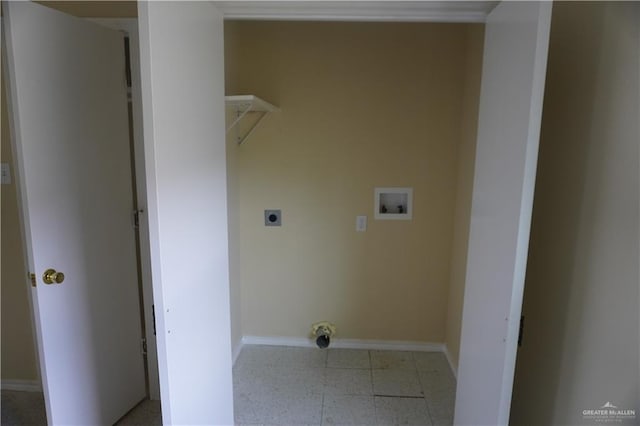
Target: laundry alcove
<point>361,105</point>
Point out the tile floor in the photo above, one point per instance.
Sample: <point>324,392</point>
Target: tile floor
<point>304,386</point>
<point>22,408</point>
<point>27,409</point>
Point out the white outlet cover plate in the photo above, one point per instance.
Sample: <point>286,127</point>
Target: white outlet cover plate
<point>361,223</point>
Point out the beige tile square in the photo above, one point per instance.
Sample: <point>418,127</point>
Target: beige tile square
<point>348,381</point>
<point>431,361</point>
<point>396,383</point>
<point>348,410</point>
<point>348,358</point>
<point>392,360</point>
<point>402,411</point>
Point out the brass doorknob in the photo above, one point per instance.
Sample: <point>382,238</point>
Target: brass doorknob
<point>50,276</point>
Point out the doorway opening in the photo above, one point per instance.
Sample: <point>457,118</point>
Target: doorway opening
<point>103,107</point>
<point>360,106</point>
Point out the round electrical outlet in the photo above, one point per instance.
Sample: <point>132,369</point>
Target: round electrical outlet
<point>273,218</point>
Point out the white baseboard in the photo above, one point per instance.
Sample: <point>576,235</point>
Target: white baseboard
<point>346,343</point>
<point>447,354</point>
<point>388,345</point>
<point>381,345</point>
<point>21,385</point>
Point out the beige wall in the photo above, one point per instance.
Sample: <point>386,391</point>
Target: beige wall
<point>363,105</point>
<point>466,165</point>
<point>17,342</point>
<point>581,295</point>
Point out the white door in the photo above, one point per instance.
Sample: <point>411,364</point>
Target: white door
<point>513,75</point>
<point>182,74</point>
<point>70,125</point>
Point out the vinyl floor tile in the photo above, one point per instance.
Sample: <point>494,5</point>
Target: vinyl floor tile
<point>431,361</point>
<point>348,358</point>
<point>402,411</point>
<point>348,410</point>
<point>396,383</point>
<point>348,381</point>
<point>392,360</point>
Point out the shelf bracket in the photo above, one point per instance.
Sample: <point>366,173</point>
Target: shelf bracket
<point>244,104</point>
<point>262,116</point>
<point>240,116</point>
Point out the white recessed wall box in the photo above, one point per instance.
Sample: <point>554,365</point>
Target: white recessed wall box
<point>393,204</point>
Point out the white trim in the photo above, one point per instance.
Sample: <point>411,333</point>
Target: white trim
<point>447,354</point>
<point>502,200</point>
<point>387,345</point>
<point>195,363</point>
<point>375,11</point>
<point>21,385</point>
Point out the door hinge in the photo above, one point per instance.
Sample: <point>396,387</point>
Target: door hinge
<point>521,331</point>
<point>32,278</point>
<point>136,218</point>
<point>153,314</point>
<point>127,63</point>
<point>143,345</point>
